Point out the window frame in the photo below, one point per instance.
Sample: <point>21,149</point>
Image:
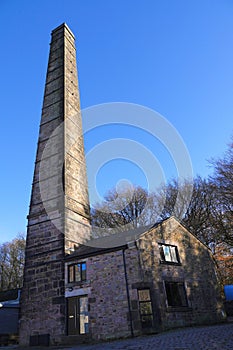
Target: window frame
<point>171,253</point>
<point>147,315</point>
<point>72,269</point>
<point>170,298</point>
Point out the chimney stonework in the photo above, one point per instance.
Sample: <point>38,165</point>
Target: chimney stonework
<point>59,217</point>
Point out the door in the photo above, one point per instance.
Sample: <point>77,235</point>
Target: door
<point>78,318</point>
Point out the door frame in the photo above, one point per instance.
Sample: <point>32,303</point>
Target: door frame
<point>77,306</point>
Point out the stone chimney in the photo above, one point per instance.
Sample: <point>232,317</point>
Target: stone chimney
<point>59,217</point>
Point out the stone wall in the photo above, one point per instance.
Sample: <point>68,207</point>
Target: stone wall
<point>196,269</point>
<point>109,305</point>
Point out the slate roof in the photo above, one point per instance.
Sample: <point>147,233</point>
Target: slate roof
<point>117,241</point>
<point>109,243</point>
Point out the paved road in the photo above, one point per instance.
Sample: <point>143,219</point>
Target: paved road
<point>218,337</point>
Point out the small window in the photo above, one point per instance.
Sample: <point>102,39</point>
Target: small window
<point>169,254</point>
<point>145,308</point>
<point>77,272</point>
<point>176,294</point>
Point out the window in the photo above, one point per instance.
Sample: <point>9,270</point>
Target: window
<point>145,308</point>
<point>77,272</point>
<point>176,294</point>
<point>169,254</point>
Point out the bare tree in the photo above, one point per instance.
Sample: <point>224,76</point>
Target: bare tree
<point>223,178</point>
<point>205,206</point>
<point>173,198</point>
<point>12,263</point>
<point>194,202</point>
<point>200,215</point>
<point>126,209</point>
<point>222,187</point>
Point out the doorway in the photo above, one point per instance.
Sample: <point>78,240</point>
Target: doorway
<point>77,313</point>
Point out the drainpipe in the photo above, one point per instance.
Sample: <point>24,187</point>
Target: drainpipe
<point>127,291</point>
<point>140,261</point>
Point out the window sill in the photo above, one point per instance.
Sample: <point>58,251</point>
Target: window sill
<point>76,284</point>
<point>169,263</point>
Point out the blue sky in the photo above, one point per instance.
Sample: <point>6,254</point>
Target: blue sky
<point>173,56</point>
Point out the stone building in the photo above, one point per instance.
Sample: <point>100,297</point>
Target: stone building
<point>158,278</point>
<point>163,278</point>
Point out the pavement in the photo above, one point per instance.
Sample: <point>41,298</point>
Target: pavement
<point>217,337</point>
